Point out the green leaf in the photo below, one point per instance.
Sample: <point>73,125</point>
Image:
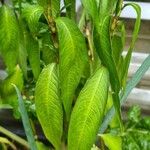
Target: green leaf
<point>118,41</point>
<point>15,78</point>
<point>131,84</point>
<point>91,8</point>
<point>106,8</point>
<point>134,114</point>
<point>70,8</point>
<point>25,120</point>
<point>113,142</point>
<point>72,58</point>
<point>22,49</point>
<point>9,33</point>
<point>48,50</point>
<point>32,14</point>
<point>41,146</point>
<point>48,105</point>
<point>8,93</point>
<point>88,111</point>
<point>104,51</point>
<point>134,38</point>
<point>33,51</point>
<point>51,6</point>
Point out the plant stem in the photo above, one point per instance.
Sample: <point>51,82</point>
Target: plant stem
<point>91,47</point>
<point>14,137</point>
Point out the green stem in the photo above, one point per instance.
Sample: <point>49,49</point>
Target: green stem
<point>14,137</point>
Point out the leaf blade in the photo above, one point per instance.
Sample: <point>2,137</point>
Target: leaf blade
<point>131,84</point>
<point>73,58</point>
<point>88,111</point>
<point>9,37</point>
<point>25,120</point>
<point>48,105</point>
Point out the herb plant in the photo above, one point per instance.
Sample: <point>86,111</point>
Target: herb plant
<point>74,65</point>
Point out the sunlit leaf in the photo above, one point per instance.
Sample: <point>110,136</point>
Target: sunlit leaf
<point>48,105</point>
<point>88,111</point>
<point>72,58</point>
<point>113,142</point>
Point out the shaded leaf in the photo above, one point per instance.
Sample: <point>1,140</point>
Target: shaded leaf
<point>48,105</point>
<point>88,111</point>
<point>48,50</point>
<point>72,58</point>
<point>33,51</point>
<point>70,8</point>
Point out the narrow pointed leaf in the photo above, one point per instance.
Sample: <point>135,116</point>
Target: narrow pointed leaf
<point>73,58</point>
<point>131,84</point>
<point>33,52</point>
<point>134,38</point>
<point>26,121</point>
<point>88,111</point>
<point>118,41</point>
<point>104,50</point>
<point>9,33</point>
<point>48,105</point>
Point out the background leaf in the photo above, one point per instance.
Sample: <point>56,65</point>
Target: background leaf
<point>7,91</point>
<point>91,8</point>
<point>70,8</point>
<point>88,111</point>
<point>49,53</point>
<point>51,6</point>
<point>72,58</point>
<point>33,51</point>
<point>134,38</point>
<point>32,14</point>
<point>48,105</point>
<point>9,37</point>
